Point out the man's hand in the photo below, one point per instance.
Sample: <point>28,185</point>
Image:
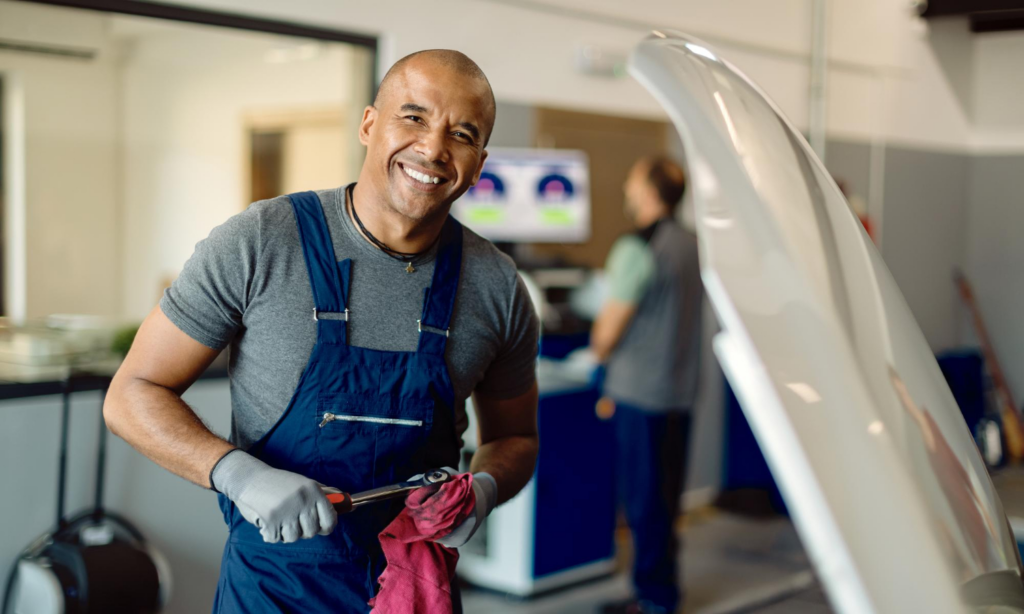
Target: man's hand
<point>485,493</point>
<point>284,505</point>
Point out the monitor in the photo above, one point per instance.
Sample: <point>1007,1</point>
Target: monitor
<point>530,196</point>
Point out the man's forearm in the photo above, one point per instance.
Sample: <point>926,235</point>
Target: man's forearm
<point>609,327</point>
<point>510,461</point>
<point>160,425</point>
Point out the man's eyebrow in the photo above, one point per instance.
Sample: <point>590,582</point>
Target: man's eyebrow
<point>470,128</point>
<point>412,107</point>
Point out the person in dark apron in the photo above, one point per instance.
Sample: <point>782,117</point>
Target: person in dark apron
<point>349,431</point>
<point>358,418</point>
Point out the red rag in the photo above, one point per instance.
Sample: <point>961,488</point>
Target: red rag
<point>418,577</point>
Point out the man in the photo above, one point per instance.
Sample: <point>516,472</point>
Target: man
<point>359,319</point>
<point>648,333</point>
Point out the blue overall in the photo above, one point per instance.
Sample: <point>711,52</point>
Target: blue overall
<point>392,418</point>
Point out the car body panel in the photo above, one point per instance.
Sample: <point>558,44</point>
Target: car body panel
<point>884,481</point>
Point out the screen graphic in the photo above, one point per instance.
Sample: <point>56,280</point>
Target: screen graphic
<point>530,196</point>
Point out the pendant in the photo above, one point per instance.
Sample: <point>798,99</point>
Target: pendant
<point>409,268</point>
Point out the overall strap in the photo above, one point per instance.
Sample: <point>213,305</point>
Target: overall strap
<point>327,277</point>
<point>439,298</point>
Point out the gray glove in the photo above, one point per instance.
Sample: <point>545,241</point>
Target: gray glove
<point>485,489</point>
<point>284,505</point>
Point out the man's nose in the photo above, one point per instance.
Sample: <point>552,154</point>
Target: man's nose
<point>433,146</point>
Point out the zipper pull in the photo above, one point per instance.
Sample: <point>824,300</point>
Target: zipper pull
<point>328,417</point>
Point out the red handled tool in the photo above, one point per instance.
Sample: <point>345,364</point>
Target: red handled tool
<point>344,502</point>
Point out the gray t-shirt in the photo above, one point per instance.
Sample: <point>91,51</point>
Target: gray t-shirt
<point>246,285</point>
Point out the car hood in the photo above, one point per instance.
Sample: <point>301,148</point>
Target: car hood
<point>885,484</point>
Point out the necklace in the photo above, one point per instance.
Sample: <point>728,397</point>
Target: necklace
<point>406,257</point>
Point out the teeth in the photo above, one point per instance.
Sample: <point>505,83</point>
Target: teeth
<point>421,177</point>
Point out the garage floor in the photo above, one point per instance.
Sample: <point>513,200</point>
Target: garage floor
<point>730,564</point>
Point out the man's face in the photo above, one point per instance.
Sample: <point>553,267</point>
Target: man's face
<point>637,190</point>
<point>425,141</point>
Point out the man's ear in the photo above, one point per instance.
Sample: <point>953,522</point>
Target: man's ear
<point>369,118</point>
<point>479,168</point>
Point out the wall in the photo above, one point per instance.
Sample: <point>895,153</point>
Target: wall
<point>185,95</point>
<point>998,91</point>
<point>995,253</point>
<point>995,258</point>
<point>771,41</point>
<point>906,89</point>
<point>925,218</point>
<point>888,79</point>
<point>70,180</point>
<point>887,75</point>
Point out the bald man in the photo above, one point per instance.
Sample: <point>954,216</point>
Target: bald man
<point>360,319</point>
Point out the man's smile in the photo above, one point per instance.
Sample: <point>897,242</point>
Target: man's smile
<point>420,178</point>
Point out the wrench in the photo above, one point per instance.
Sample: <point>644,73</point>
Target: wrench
<point>344,502</point>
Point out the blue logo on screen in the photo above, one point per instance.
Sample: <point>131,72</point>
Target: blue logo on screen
<point>490,188</point>
<point>555,188</point>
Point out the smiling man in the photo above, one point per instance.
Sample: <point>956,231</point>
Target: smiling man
<point>360,319</point>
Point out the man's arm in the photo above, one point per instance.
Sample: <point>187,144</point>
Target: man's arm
<point>144,406</point>
<point>629,271</point>
<point>610,325</point>
<point>508,440</point>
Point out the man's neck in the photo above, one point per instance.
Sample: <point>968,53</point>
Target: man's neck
<point>651,216</point>
<point>398,232</point>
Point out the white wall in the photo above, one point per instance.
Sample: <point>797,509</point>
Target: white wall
<point>882,69</point>
<point>995,252</point>
<point>891,81</point>
<point>70,180</point>
<point>185,97</point>
<point>999,92</point>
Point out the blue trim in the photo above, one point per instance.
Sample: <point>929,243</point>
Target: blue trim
<point>325,273</point>
<point>439,298</point>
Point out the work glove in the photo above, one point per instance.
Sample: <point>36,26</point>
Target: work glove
<point>485,492</point>
<point>285,506</point>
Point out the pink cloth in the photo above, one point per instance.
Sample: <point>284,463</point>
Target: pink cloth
<point>419,574</point>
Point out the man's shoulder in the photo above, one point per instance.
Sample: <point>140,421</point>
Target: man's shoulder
<point>674,234</point>
<point>271,209</point>
<point>627,249</point>
<point>479,252</point>
<point>487,272</point>
<point>276,216</point>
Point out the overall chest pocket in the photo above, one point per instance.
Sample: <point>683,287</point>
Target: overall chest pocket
<point>367,441</point>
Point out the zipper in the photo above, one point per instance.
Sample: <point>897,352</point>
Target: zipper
<point>329,417</point>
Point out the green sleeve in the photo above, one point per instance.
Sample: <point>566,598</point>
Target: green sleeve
<point>629,269</point>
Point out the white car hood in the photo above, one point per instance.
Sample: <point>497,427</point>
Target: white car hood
<point>883,479</point>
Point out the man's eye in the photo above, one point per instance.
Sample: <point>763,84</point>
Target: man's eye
<point>463,136</point>
<point>415,118</point>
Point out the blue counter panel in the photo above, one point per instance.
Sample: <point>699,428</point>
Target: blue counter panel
<point>575,514</point>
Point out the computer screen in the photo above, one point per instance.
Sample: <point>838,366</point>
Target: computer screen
<point>530,196</point>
